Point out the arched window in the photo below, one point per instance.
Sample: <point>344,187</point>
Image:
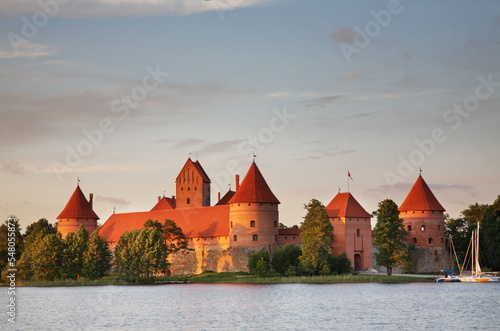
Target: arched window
<point>357,232</point>
<point>252,224</point>
<point>188,201</point>
<point>409,227</point>
<point>422,228</point>
<point>414,240</point>
<point>255,238</point>
<point>430,240</point>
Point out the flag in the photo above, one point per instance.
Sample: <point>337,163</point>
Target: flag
<point>349,175</point>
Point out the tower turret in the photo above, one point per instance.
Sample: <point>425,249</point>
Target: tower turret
<point>253,213</point>
<point>423,216</point>
<point>78,211</point>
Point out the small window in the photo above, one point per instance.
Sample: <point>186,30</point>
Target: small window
<point>252,224</point>
<point>357,232</point>
<point>275,237</point>
<point>422,228</point>
<point>409,227</point>
<point>189,189</point>
<point>275,224</point>
<point>235,238</point>
<point>249,204</point>
<point>255,238</point>
<point>430,240</point>
<point>196,189</point>
<point>182,188</point>
<point>231,224</point>
<point>414,240</point>
<point>442,240</point>
<point>188,201</point>
<point>439,227</point>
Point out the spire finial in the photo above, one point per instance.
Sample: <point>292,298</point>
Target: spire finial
<point>114,209</point>
<point>229,186</point>
<point>339,189</point>
<point>163,193</point>
<point>190,155</point>
<point>420,171</point>
<point>254,156</point>
<point>78,181</point>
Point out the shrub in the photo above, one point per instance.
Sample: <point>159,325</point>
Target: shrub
<point>256,266</point>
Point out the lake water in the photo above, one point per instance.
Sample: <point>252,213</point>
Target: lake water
<point>416,306</point>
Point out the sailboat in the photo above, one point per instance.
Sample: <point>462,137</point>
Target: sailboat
<point>477,275</point>
<point>447,275</point>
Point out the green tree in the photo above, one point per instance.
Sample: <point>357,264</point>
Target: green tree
<point>339,264</point>
<point>140,255</point>
<point>42,259</point>
<point>259,263</point>
<point>74,247</point>
<point>97,259</point>
<point>41,225</point>
<point>173,236</point>
<point>390,238</point>
<point>286,259</point>
<point>317,238</point>
<point>10,243</point>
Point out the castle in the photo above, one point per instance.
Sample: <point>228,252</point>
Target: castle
<point>246,220</point>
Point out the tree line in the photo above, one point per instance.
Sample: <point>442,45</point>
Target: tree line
<point>41,254</point>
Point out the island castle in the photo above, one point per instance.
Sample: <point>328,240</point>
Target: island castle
<point>246,220</point>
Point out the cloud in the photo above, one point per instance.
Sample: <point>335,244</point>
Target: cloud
<point>323,101</point>
<point>188,143</point>
<point>355,75</point>
<point>114,201</point>
<point>320,155</point>
<point>460,187</point>
<point>12,167</point>
<point>279,95</point>
<point>134,8</point>
<point>343,35</point>
<point>220,146</point>
<point>27,49</point>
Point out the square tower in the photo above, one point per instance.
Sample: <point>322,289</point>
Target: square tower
<point>192,186</point>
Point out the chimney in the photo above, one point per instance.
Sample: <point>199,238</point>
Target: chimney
<point>173,197</point>
<point>237,182</point>
<point>219,196</point>
<point>91,197</point>
<point>159,198</point>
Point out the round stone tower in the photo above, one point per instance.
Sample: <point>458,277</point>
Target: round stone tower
<point>253,213</point>
<point>423,217</point>
<point>78,211</point>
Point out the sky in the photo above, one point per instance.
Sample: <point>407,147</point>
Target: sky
<point>119,93</point>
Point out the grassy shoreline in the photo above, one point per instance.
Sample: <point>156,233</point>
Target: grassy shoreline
<point>237,278</point>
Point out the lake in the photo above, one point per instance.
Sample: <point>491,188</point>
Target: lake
<point>415,306</point>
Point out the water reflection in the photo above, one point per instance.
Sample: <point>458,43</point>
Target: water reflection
<point>416,306</point>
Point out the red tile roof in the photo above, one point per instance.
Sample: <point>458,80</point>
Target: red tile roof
<point>202,172</point>
<point>164,204</point>
<point>420,198</point>
<point>196,165</point>
<point>254,188</point>
<point>345,205</point>
<point>78,207</point>
<point>194,222</point>
<point>225,199</point>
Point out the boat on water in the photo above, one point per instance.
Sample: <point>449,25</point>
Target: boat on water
<point>447,277</point>
<point>476,275</point>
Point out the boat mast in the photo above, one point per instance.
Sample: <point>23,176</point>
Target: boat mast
<point>478,268</point>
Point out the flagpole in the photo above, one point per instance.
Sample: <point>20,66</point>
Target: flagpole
<point>348,181</point>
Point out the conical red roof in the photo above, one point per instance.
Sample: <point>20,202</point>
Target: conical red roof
<point>225,199</point>
<point>77,207</point>
<point>344,205</point>
<point>254,188</point>
<point>420,198</point>
<point>164,204</point>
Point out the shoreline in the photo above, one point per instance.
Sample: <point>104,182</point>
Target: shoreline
<point>240,279</point>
